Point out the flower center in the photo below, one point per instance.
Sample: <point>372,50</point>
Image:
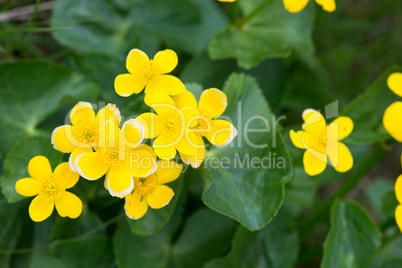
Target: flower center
<point>50,188</point>
<point>85,131</point>
<point>146,185</point>
<point>113,156</point>
<point>170,122</point>
<point>203,124</point>
<point>152,72</point>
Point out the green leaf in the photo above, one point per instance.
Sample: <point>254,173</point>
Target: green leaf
<point>155,219</point>
<point>389,204</point>
<point>368,127</point>
<point>302,189</point>
<point>353,240</point>
<point>376,192</point>
<point>247,192</point>
<point>391,264</point>
<point>204,236</point>
<point>16,163</point>
<point>275,246</point>
<point>31,92</point>
<point>115,27</point>
<point>273,32</point>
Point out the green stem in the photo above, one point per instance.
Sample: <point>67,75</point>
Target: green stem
<point>255,11</point>
<point>234,13</point>
<point>308,224</point>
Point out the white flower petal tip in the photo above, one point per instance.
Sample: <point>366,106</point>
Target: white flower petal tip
<point>78,169</point>
<point>120,194</point>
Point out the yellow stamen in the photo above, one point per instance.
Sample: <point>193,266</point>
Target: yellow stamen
<point>145,186</point>
<point>50,188</point>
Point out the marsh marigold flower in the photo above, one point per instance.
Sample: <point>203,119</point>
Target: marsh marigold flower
<point>398,193</point>
<point>170,126</point>
<point>151,74</point>
<point>295,6</point>
<point>83,133</point>
<point>151,191</point>
<point>392,119</point>
<point>120,155</point>
<point>50,189</point>
<point>219,132</point>
<point>322,142</point>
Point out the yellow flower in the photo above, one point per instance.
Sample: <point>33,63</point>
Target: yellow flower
<point>392,119</point>
<point>226,0</point>
<point>322,142</point>
<point>120,155</point>
<point>151,190</point>
<point>83,133</point>
<point>50,190</point>
<point>219,132</point>
<point>171,127</point>
<point>398,193</point>
<point>295,6</point>
<point>151,74</point>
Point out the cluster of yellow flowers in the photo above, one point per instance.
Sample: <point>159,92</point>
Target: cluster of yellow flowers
<point>98,146</point>
<point>392,121</point>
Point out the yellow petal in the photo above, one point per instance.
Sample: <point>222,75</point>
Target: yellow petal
<point>76,152</point>
<point>109,113</point>
<point>315,130</point>
<point>168,171</point>
<point>27,187</point>
<point>69,205</point>
<point>394,82</point>
<point>295,6</point>
<point>40,209</point>
<point>82,111</point>
<point>195,160</point>
<point>392,120</point>
<point>213,101</point>
<point>39,167</point>
<point>297,139</point>
<point>119,181</point>
<point>136,206</point>
<point>162,102</point>
<point>327,5</point>
<point>314,164</point>
<point>67,177</point>
<point>126,85</point>
<point>137,62</point>
<point>185,99</point>
<point>166,83</point>
<point>108,134</point>
<point>91,166</point>
<point>141,163</point>
<point>165,61</point>
<point>148,149</point>
<point>398,216</point>
<point>340,128</point>
<point>63,139</point>
<point>191,116</point>
<point>398,189</point>
<point>164,148</point>
<point>226,0</point>
<point>222,133</point>
<point>132,133</point>
<point>160,197</point>
<point>151,124</point>
<point>340,157</point>
<point>187,144</point>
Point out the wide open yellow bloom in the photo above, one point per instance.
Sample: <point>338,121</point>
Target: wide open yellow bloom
<point>83,133</point>
<point>50,190</point>
<point>295,6</point>
<point>120,155</point>
<point>322,142</point>
<point>219,132</point>
<point>151,190</point>
<point>170,126</point>
<point>392,119</point>
<point>151,74</point>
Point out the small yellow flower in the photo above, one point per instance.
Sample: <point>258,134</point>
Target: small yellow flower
<point>50,190</point>
<point>322,142</point>
<point>295,6</point>
<point>392,119</point>
<point>219,132</point>
<point>398,193</point>
<point>120,155</point>
<point>151,190</point>
<point>226,0</point>
<point>151,74</point>
<point>83,133</point>
<point>171,127</point>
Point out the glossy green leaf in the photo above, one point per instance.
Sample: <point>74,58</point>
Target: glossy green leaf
<point>273,32</point>
<point>245,180</point>
<point>389,204</point>
<point>31,92</point>
<point>275,246</point>
<point>368,127</point>
<point>301,190</point>
<point>16,163</point>
<point>376,191</point>
<point>155,219</point>
<point>204,236</point>
<point>353,240</point>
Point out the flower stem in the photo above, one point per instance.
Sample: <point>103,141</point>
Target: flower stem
<point>256,11</point>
